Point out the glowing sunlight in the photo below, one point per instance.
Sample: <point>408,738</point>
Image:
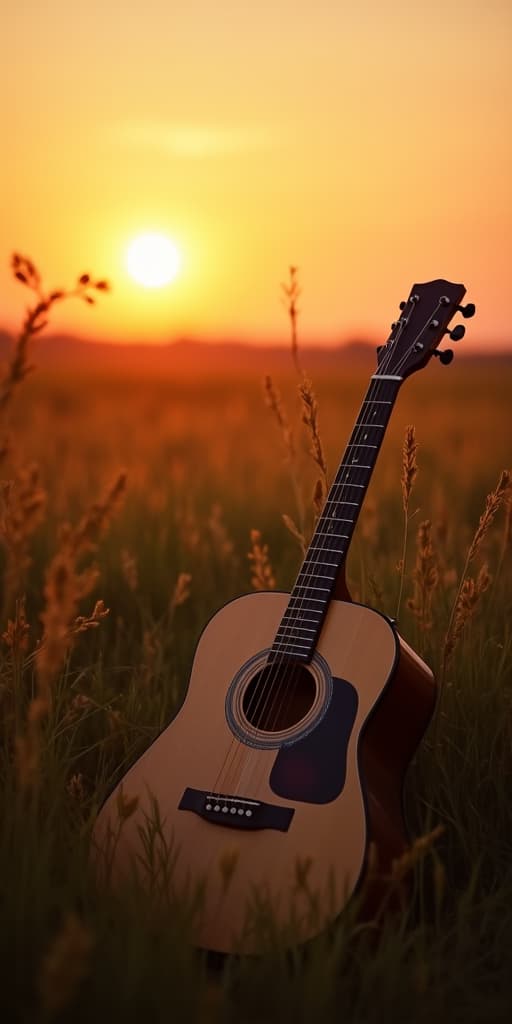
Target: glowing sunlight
<point>153,260</point>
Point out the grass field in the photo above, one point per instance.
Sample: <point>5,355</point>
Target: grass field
<point>205,465</point>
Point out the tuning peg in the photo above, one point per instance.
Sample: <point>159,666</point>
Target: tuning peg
<point>468,310</point>
<point>457,333</point>
<point>445,356</point>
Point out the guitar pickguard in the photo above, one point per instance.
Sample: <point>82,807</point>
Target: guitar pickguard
<point>314,768</point>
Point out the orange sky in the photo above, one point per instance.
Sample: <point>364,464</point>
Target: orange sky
<point>367,142</point>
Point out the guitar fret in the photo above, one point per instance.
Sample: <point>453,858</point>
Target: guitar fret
<point>353,465</point>
<point>290,625</point>
<point>345,483</point>
<point>341,552</point>
<point>369,426</point>
<point>330,533</point>
<point>318,562</point>
<point>333,551</point>
<point>376,401</point>
<point>339,519</point>
<point>319,575</point>
<point>307,586</point>
<point>342,501</point>
<point>303,629</point>
<point>357,444</point>
<point>283,643</point>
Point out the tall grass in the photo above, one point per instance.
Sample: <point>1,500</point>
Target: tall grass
<point>108,580</point>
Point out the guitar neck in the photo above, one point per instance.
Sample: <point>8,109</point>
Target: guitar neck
<point>302,622</point>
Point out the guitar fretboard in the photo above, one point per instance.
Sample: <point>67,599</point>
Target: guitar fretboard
<point>302,621</point>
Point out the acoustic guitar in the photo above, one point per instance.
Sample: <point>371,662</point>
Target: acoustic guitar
<point>288,754</point>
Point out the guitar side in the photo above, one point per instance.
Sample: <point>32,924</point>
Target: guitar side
<point>323,850</point>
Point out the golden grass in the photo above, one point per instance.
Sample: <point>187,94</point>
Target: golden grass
<point>291,292</point>
<point>470,590</point>
<point>262,574</point>
<point>408,476</point>
<point>64,965</point>
<point>310,419</point>
<point>425,576</point>
<point>165,547</point>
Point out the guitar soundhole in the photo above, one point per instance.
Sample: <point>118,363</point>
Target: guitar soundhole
<point>278,697</point>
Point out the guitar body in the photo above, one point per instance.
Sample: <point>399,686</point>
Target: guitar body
<point>277,812</point>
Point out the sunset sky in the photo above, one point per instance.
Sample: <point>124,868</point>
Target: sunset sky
<point>369,143</point>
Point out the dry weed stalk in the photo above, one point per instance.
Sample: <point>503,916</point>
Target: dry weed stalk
<point>506,541</point>
<point>65,586</point>
<point>83,623</point>
<point>492,504</point>
<point>507,531</point>
<point>262,574</point>
<point>96,520</point>
<point>23,499</point>
<point>79,706</point>
<point>376,590</point>
<point>152,649</point>
<point>409,464</point>
<point>154,637</point>
<point>49,657</point>
<point>295,532</point>
<point>274,401</point>
<point>190,533</point>
<point>291,291</point>
<point>466,605</point>
<point>275,404</point>
<point>425,576</point>
<point>129,569</point>
<point>408,860</point>
<point>76,789</point>
<point>310,419</point>
<point>37,318</point>
<point>27,745</point>
<point>470,590</point>
<point>125,805</point>
<point>223,545</point>
<point>65,965</point>
<point>409,474</point>
<point>16,635</point>
<point>181,592</point>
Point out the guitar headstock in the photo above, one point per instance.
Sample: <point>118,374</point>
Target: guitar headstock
<point>423,321</point>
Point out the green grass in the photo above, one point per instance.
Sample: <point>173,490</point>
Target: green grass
<point>189,446</point>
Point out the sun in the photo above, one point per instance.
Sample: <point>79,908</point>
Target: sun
<point>153,260</point>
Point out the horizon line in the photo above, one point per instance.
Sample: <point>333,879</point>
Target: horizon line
<point>495,347</point>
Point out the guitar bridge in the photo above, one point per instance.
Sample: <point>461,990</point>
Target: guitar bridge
<point>235,811</point>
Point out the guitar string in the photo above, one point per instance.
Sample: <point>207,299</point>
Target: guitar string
<point>284,691</point>
<point>336,499</point>
<point>277,664</point>
<point>294,618</point>
<point>282,695</point>
<point>285,687</point>
<point>281,691</point>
